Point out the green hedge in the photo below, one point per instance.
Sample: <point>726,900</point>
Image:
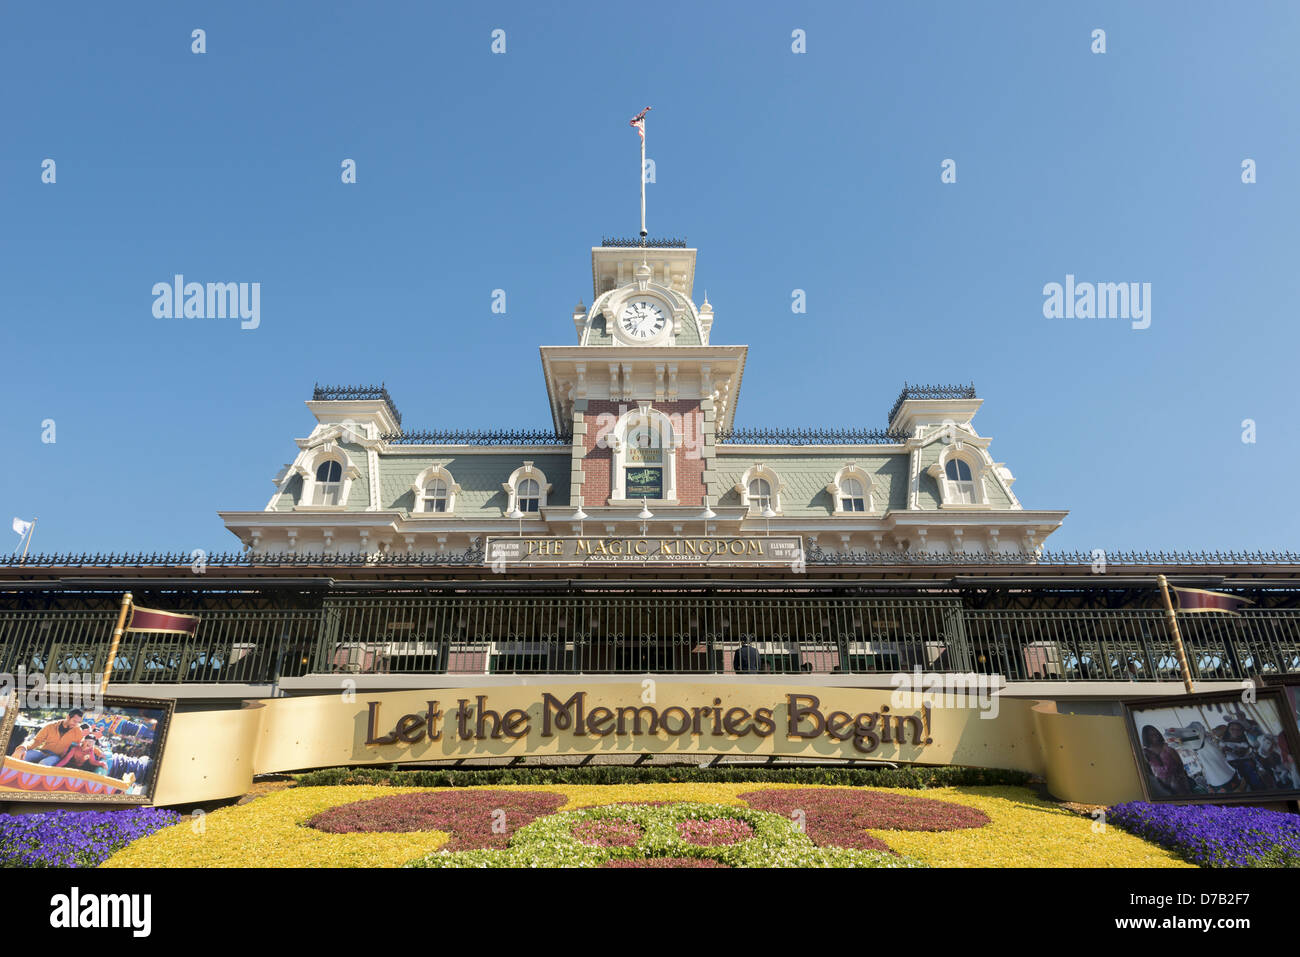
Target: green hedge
<point>910,777</point>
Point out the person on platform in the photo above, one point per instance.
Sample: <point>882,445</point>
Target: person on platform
<point>745,660</point>
<point>53,741</point>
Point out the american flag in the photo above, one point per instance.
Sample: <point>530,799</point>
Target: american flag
<point>639,122</point>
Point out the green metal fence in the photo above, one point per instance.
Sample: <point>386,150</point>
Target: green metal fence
<point>613,635</point>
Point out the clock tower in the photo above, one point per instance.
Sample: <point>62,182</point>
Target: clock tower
<point>644,392</point>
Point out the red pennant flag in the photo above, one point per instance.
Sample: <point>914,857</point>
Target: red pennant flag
<point>1198,599</point>
<point>149,619</point>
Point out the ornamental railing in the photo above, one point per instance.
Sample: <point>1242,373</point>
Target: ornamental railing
<point>479,437</point>
<point>639,242</point>
<point>814,555</point>
<point>809,436</point>
<point>931,392</point>
<point>476,636</point>
<point>334,393</point>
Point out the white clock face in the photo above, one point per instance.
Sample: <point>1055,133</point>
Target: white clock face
<point>643,319</point>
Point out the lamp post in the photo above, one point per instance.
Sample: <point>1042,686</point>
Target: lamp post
<point>645,515</point>
<point>580,516</point>
<point>708,515</point>
<point>519,515</point>
<point>768,514</point>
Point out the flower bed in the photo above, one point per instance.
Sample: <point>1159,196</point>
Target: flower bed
<point>1022,830</point>
<point>1214,836</point>
<point>474,819</point>
<point>272,832</point>
<point>839,817</point>
<point>741,837</point>
<point>75,838</point>
<point>714,832</point>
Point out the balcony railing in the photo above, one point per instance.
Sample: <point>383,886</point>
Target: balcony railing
<point>623,635</point>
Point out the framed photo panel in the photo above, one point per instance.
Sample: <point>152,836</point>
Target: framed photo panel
<point>109,753</point>
<point>1215,748</point>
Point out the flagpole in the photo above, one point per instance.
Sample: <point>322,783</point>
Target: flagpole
<point>117,638</point>
<point>31,530</point>
<point>643,232</point>
<point>1172,617</point>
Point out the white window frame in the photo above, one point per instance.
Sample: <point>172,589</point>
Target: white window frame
<point>307,470</point>
<point>777,487</point>
<point>838,493</point>
<point>949,489</point>
<point>511,487</point>
<point>434,473</point>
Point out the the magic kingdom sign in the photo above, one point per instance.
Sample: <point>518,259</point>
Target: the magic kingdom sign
<point>704,550</point>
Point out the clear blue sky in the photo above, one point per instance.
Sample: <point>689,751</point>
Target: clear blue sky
<point>818,171</point>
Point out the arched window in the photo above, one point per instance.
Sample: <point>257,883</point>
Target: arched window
<point>643,442</point>
<point>329,484</point>
<point>435,496</point>
<point>760,488</point>
<point>961,483</point>
<point>852,496</point>
<point>526,490</point>
<point>435,491</point>
<point>530,495</point>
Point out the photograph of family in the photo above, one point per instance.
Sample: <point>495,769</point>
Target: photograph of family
<point>1221,748</point>
<point>111,751</point>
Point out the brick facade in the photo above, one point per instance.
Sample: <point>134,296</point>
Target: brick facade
<point>599,416</point>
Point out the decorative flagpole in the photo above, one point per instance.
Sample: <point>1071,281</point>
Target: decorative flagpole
<point>638,122</point>
<point>117,638</point>
<point>31,530</point>
<point>1181,651</point>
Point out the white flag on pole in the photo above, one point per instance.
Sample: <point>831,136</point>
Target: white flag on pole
<point>21,527</point>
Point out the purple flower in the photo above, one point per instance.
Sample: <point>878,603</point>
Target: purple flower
<point>1215,836</point>
<point>75,838</point>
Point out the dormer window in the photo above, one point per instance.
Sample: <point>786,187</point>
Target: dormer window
<point>852,497</point>
<point>329,484</point>
<point>760,489</point>
<point>530,495</point>
<point>526,490</point>
<point>961,483</point>
<point>435,491</point>
<point>435,496</point>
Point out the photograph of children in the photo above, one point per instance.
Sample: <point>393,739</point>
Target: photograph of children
<point>1215,748</point>
<point>84,753</point>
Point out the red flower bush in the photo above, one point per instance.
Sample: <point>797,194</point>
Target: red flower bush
<point>475,819</point>
<point>663,862</point>
<point>838,817</point>
<point>613,833</point>
<point>715,832</point>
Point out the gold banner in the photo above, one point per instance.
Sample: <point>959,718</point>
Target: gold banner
<point>214,754</point>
